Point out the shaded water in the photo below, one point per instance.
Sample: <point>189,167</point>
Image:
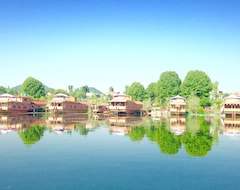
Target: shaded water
<point>77,152</point>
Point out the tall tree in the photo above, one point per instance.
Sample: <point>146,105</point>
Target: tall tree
<point>168,85</point>
<point>196,83</point>
<point>111,89</point>
<point>151,91</point>
<point>33,87</point>
<point>136,90</point>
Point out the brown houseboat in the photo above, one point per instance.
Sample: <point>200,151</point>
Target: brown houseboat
<point>11,103</point>
<point>65,103</point>
<point>177,105</point>
<point>231,106</point>
<point>122,104</point>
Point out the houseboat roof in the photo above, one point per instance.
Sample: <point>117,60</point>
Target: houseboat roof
<point>232,96</point>
<point>60,95</point>
<point>177,97</point>
<point>6,95</point>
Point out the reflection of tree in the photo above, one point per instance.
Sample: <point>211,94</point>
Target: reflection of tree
<point>32,134</point>
<point>136,133</point>
<point>82,129</point>
<point>168,142</point>
<point>200,143</point>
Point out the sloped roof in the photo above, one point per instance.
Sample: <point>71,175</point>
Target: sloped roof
<point>6,95</point>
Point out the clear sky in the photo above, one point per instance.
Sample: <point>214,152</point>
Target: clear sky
<point>103,43</point>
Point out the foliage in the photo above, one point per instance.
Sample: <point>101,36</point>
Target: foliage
<point>33,87</point>
<point>137,133</point>
<point>32,134</point>
<point>80,93</point>
<point>200,143</point>
<point>168,142</point>
<point>136,91</point>
<point>151,91</point>
<point>193,103</point>
<point>82,130</point>
<point>168,86</point>
<point>111,89</point>
<point>196,83</point>
<point>2,90</point>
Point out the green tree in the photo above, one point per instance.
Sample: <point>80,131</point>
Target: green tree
<point>137,133</point>
<point>196,83</point>
<point>33,87</point>
<point>136,90</point>
<point>193,103</point>
<point>70,89</point>
<point>200,143</point>
<point>80,93</point>
<point>32,134</point>
<point>111,89</point>
<point>151,91</point>
<point>168,86</point>
<point>2,90</point>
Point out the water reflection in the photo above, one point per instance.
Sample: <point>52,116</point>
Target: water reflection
<point>195,135</point>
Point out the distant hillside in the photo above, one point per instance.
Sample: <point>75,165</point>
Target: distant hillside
<point>95,91</point>
<point>16,88</point>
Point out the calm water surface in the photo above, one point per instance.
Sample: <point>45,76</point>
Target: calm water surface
<point>75,152</point>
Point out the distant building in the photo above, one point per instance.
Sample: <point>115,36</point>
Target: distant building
<point>123,104</point>
<point>64,103</point>
<point>11,103</point>
<point>231,106</point>
<point>177,105</point>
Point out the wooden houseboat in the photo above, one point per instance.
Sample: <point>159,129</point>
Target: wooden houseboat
<point>122,104</point>
<point>11,103</point>
<point>177,105</point>
<point>231,106</point>
<point>64,103</point>
<point>102,108</point>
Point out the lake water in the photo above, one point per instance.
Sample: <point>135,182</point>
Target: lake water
<point>77,152</point>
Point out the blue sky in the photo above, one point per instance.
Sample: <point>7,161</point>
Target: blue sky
<point>103,43</point>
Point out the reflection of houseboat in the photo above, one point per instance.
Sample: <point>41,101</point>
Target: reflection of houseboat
<point>10,103</point>
<point>178,125</point>
<point>231,106</point>
<point>231,126</point>
<point>123,125</point>
<point>65,103</point>
<point>18,122</point>
<point>177,105</point>
<point>65,122</point>
<point>123,104</point>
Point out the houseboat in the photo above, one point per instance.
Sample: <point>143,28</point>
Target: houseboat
<point>64,103</point>
<point>231,106</point>
<point>101,108</point>
<point>177,105</point>
<point>122,104</point>
<point>11,103</point>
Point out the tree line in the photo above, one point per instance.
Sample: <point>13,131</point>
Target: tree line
<point>196,87</point>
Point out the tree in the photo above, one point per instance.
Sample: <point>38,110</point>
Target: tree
<point>32,134</point>
<point>33,87</point>
<point>137,133</point>
<point>2,90</point>
<point>193,103</point>
<point>196,83</point>
<point>111,89</point>
<point>136,90</point>
<point>81,93</point>
<point>70,89</point>
<point>200,143</point>
<point>168,85</point>
<point>151,91</point>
